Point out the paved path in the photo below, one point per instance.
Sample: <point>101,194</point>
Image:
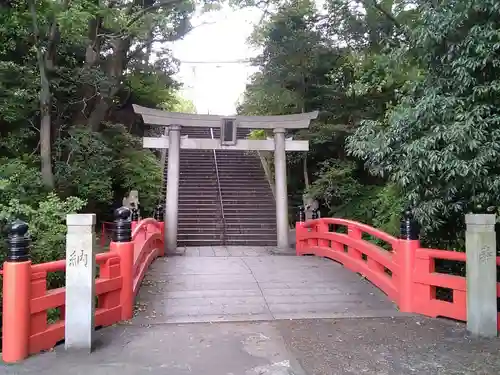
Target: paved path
<point>248,284</point>
<point>224,287</point>
<point>353,346</point>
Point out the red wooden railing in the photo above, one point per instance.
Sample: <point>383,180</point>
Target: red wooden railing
<point>405,272</point>
<point>106,232</point>
<point>27,301</point>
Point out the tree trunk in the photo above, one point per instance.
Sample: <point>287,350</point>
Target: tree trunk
<point>45,101</point>
<point>98,114</point>
<point>115,66</point>
<point>45,147</point>
<point>305,170</point>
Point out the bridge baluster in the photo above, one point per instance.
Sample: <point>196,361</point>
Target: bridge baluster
<point>158,213</point>
<point>301,214</point>
<point>16,295</point>
<point>404,255</point>
<point>123,245</point>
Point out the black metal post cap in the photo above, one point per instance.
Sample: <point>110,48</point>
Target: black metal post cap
<point>409,228</point>
<point>158,212</point>
<point>18,242</point>
<point>302,214</point>
<point>123,226</point>
<point>122,213</point>
<point>134,216</point>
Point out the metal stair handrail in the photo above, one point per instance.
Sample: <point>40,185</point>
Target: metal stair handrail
<point>220,192</point>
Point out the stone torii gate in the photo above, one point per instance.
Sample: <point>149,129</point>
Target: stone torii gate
<point>227,141</point>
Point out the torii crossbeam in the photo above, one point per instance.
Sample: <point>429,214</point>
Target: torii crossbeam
<point>227,141</point>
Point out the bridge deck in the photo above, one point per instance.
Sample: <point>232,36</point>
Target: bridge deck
<point>248,284</point>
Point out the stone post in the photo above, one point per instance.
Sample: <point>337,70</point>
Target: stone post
<point>480,249</point>
<point>80,282</point>
<point>280,188</point>
<point>172,198</point>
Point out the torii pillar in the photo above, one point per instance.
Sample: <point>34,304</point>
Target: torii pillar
<point>280,181</point>
<point>172,198</point>
<point>174,121</point>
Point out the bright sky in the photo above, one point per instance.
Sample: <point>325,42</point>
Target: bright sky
<point>216,87</point>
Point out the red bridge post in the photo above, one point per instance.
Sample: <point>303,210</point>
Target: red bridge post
<point>16,295</point>
<point>123,245</point>
<point>405,257</point>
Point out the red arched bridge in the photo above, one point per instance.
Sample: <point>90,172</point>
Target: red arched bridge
<point>245,283</point>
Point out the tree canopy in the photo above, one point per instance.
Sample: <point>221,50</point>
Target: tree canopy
<point>408,96</point>
<point>69,74</point>
<point>407,91</point>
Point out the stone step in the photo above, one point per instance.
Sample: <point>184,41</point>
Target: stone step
<point>199,228</point>
<point>206,225</point>
<point>236,182</point>
<point>198,236</point>
<point>248,209</point>
<point>239,164</point>
<point>260,186</point>
<point>201,194</point>
<point>201,243</point>
<point>253,220</point>
<point>252,236</point>
<point>267,233</point>
<point>251,225</point>
<point>196,221</point>
<point>198,214</point>
<point>200,184</point>
<point>249,242</point>
<point>183,198</point>
<point>257,205</point>
<point>248,202</point>
<point>201,161</point>
<point>253,202</point>
<point>198,174</point>
<point>244,193</point>
<point>254,192</point>
<point>207,204</point>
<point>210,232</point>
<point>249,169</point>
<point>244,175</point>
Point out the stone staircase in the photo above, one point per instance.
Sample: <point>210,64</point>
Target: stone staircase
<point>200,217</point>
<point>247,198</point>
<point>247,214</point>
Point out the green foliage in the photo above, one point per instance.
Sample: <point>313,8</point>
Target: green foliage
<point>45,213</point>
<point>257,134</point>
<point>69,72</point>
<point>440,143</point>
<point>306,66</point>
<point>179,104</point>
<point>75,153</point>
<point>136,168</point>
<point>335,184</point>
<point>408,95</point>
<point>119,164</point>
